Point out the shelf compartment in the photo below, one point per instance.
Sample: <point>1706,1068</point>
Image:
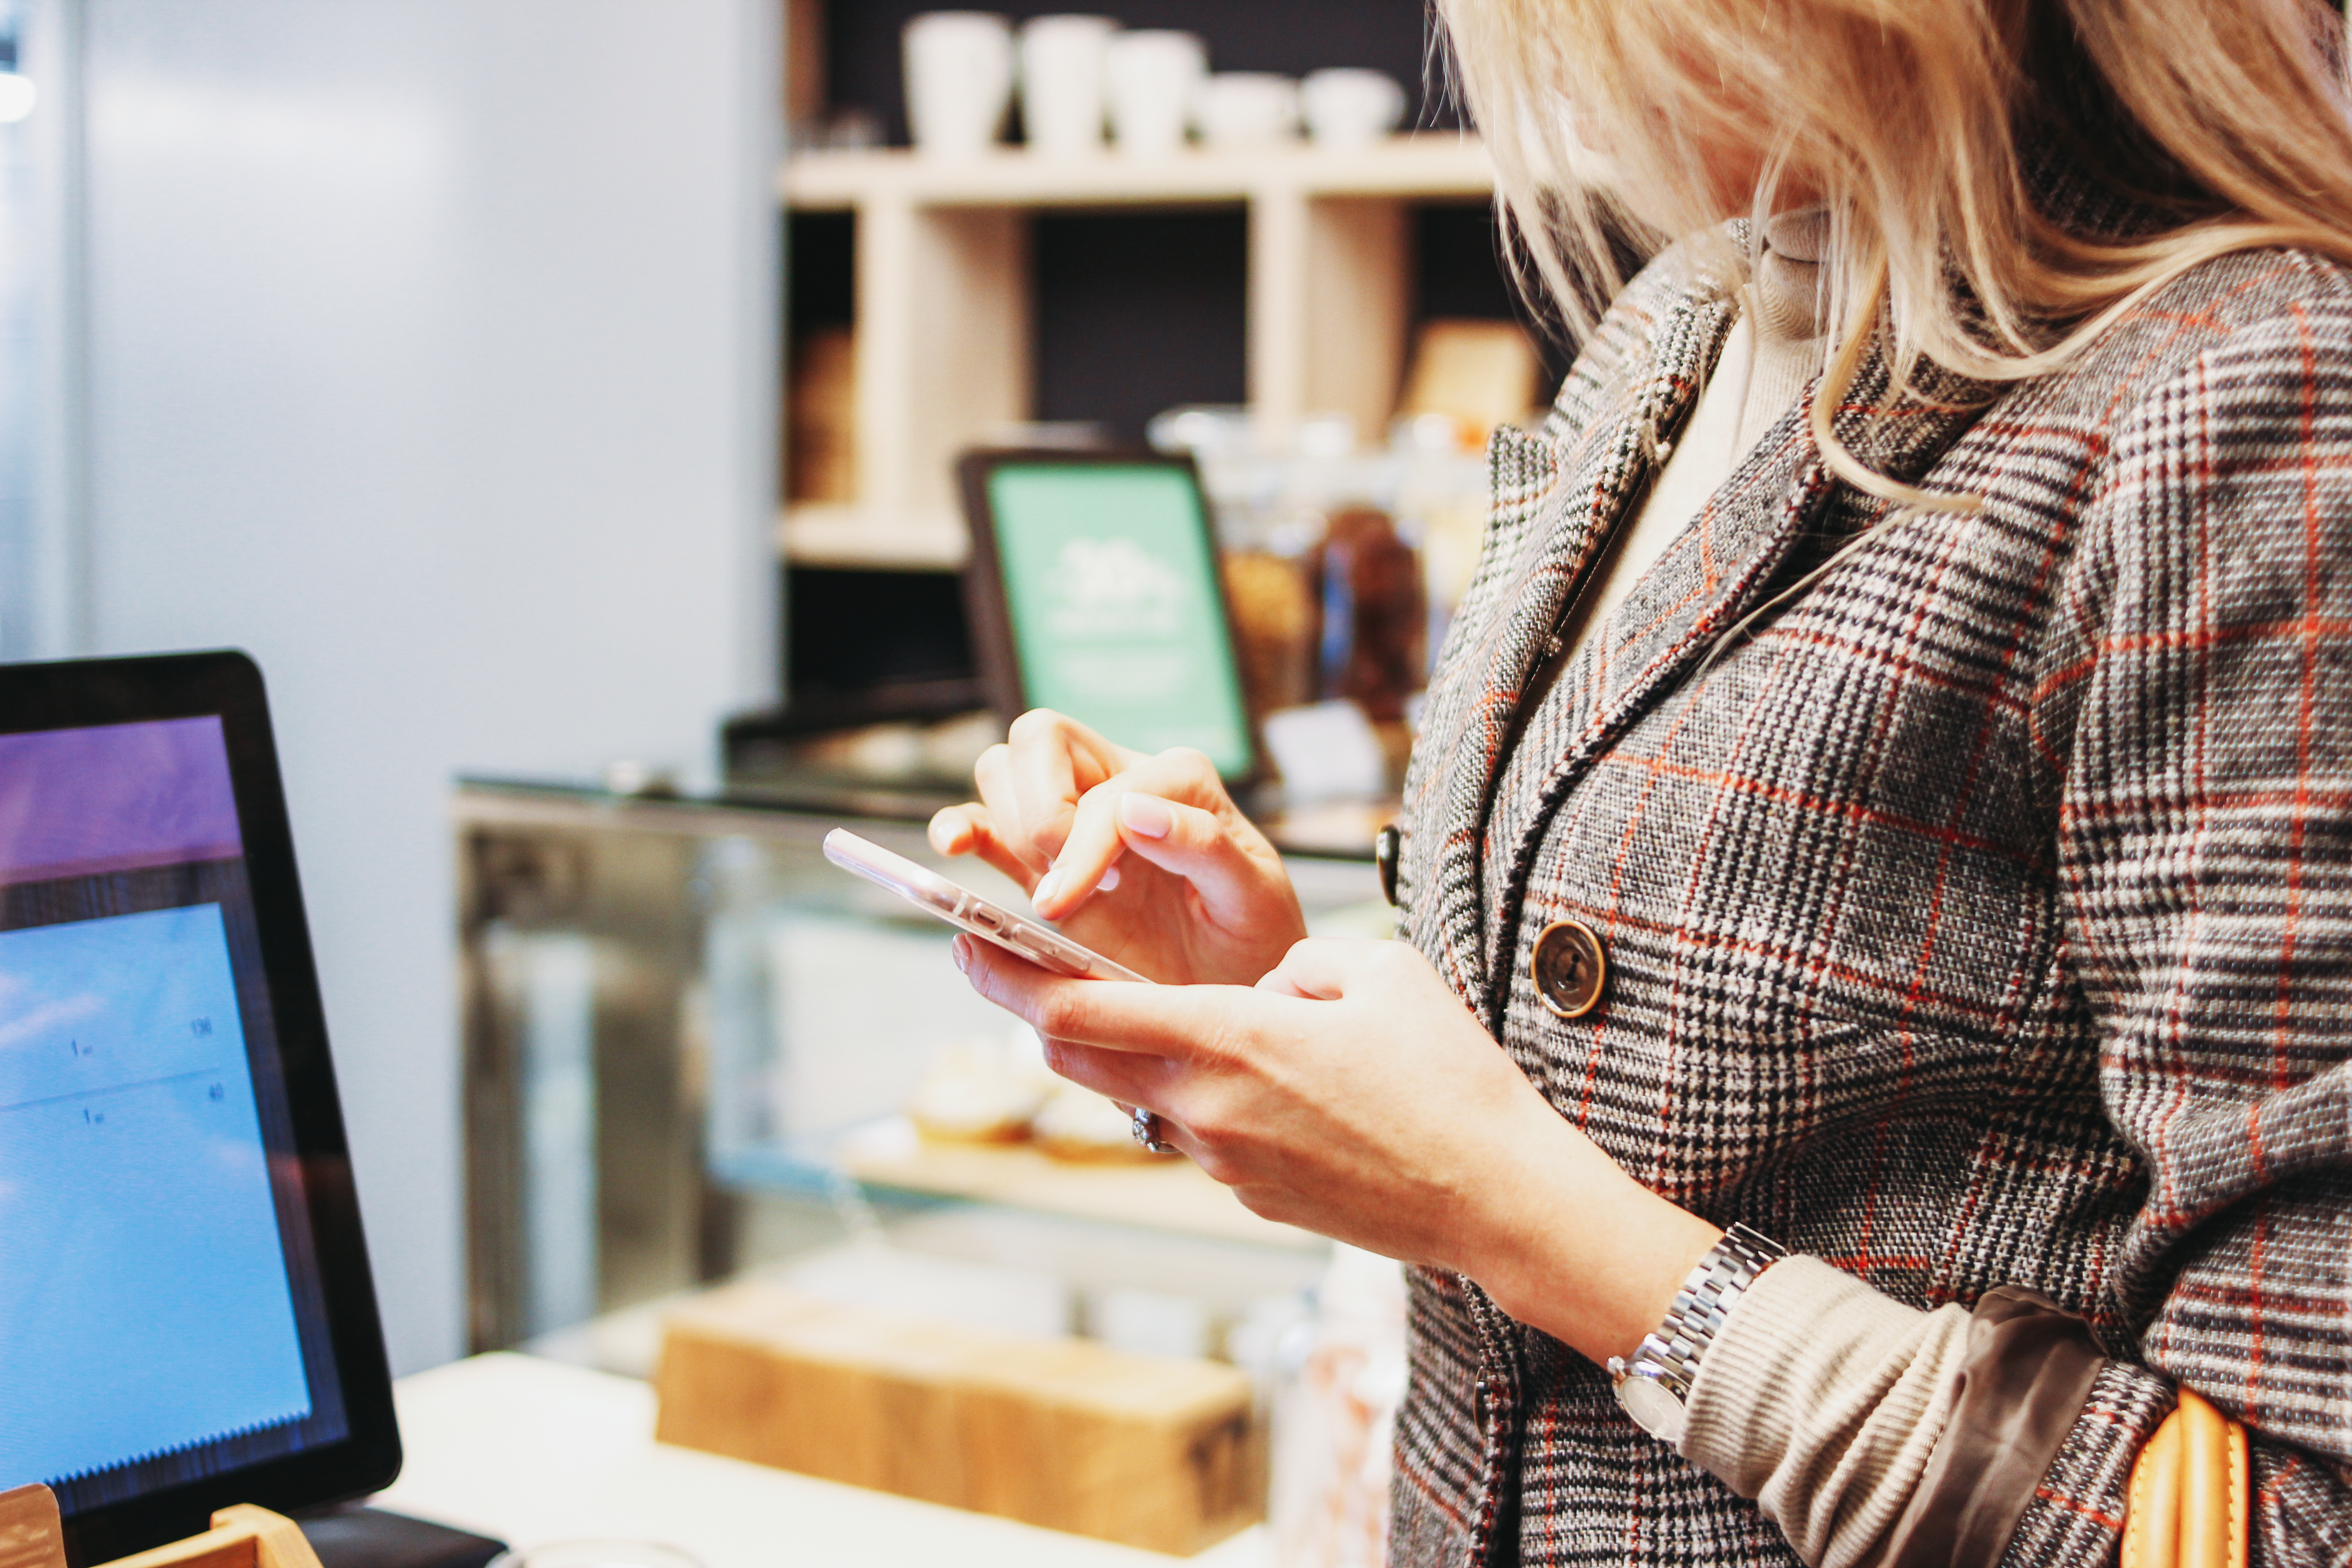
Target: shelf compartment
<point>945,300</point>
<point>823,535</point>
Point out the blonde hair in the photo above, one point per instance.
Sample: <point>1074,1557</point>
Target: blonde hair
<point>2226,120</point>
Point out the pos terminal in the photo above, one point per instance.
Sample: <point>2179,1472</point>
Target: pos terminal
<point>186,1315</point>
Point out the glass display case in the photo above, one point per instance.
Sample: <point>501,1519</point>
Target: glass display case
<point>689,1042</point>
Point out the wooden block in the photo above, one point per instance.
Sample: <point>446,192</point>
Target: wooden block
<point>31,1535</point>
<point>1147,1451</point>
<point>242,1536</point>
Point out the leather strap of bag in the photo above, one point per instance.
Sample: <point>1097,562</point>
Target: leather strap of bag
<point>2191,1503</point>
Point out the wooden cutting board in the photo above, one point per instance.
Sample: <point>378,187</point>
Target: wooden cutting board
<point>1147,1451</point>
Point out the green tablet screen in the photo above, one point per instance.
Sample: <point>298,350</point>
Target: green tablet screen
<point>1118,620</point>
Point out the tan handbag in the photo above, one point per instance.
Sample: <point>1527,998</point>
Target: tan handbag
<point>2190,1493</point>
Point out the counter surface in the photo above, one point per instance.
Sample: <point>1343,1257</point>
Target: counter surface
<point>532,1451</point>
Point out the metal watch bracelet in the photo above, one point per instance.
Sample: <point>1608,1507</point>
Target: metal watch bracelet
<point>1667,1362</point>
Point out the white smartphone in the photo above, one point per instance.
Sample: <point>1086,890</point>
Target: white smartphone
<point>919,885</point>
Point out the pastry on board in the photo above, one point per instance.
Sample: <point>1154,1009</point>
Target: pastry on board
<point>982,1089</point>
<point>1081,1126</point>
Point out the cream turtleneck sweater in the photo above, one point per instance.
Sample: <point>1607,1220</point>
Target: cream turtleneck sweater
<point>1822,1397</point>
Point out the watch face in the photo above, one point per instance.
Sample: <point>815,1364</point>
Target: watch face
<point>1652,1406</point>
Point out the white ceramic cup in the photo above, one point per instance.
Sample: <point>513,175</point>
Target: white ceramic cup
<point>959,80</point>
<point>1247,110</point>
<point>1064,66</point>
<point>1153,75</point>
<point>1350,108</point>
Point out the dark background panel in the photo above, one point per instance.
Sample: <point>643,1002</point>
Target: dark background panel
<point>1457,268</point>
<point>832,616</point>
<point>1293,37</point>
<point>1459,272</point>
<point>1138,311</point>
<point>821,276</point>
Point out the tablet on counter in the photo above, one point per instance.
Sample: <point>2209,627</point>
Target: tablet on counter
<point>1095,589</point>
<point>186,1315</point>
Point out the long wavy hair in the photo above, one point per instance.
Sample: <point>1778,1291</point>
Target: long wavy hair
<point>2225,122</point>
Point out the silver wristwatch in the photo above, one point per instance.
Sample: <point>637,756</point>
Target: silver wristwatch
<point>1655,1388</point>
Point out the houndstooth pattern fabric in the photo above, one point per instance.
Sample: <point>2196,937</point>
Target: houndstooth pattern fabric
<point>1981,915</point>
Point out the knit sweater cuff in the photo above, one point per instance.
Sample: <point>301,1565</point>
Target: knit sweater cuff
<point>1822,1399</point>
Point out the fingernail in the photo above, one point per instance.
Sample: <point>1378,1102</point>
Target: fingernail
<point>1109,880</point>
<point>1145,814</point>
<point>1043,893</point>
<point>960,950</point>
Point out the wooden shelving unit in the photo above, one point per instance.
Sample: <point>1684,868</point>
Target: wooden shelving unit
<point>944,335</point>
<point>1440,165</point>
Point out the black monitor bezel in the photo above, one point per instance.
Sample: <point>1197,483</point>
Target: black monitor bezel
<point>84,693</point>
<point>990,609</point>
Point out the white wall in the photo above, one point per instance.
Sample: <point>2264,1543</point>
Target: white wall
<point>430,359</point>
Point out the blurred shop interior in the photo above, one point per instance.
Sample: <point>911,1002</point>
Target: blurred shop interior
<point>581,410</point>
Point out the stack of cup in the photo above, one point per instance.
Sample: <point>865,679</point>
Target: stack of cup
<point>1244,111</point>
<point>959,80</point>
<point>1155,75</point>
<point>1349,108</point>
<point>1152,86</point>
<point>1064,65</point>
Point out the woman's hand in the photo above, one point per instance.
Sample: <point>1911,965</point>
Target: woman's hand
<point>1351,1093</point>
<point>1145,860</point>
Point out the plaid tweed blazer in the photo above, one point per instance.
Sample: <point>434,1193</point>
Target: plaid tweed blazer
<point>1982,915</point>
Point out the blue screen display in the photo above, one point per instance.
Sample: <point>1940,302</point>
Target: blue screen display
<point>162,1315</point>
<point>133,1174</point>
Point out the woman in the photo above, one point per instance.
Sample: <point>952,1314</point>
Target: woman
<point>1888,789</point>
